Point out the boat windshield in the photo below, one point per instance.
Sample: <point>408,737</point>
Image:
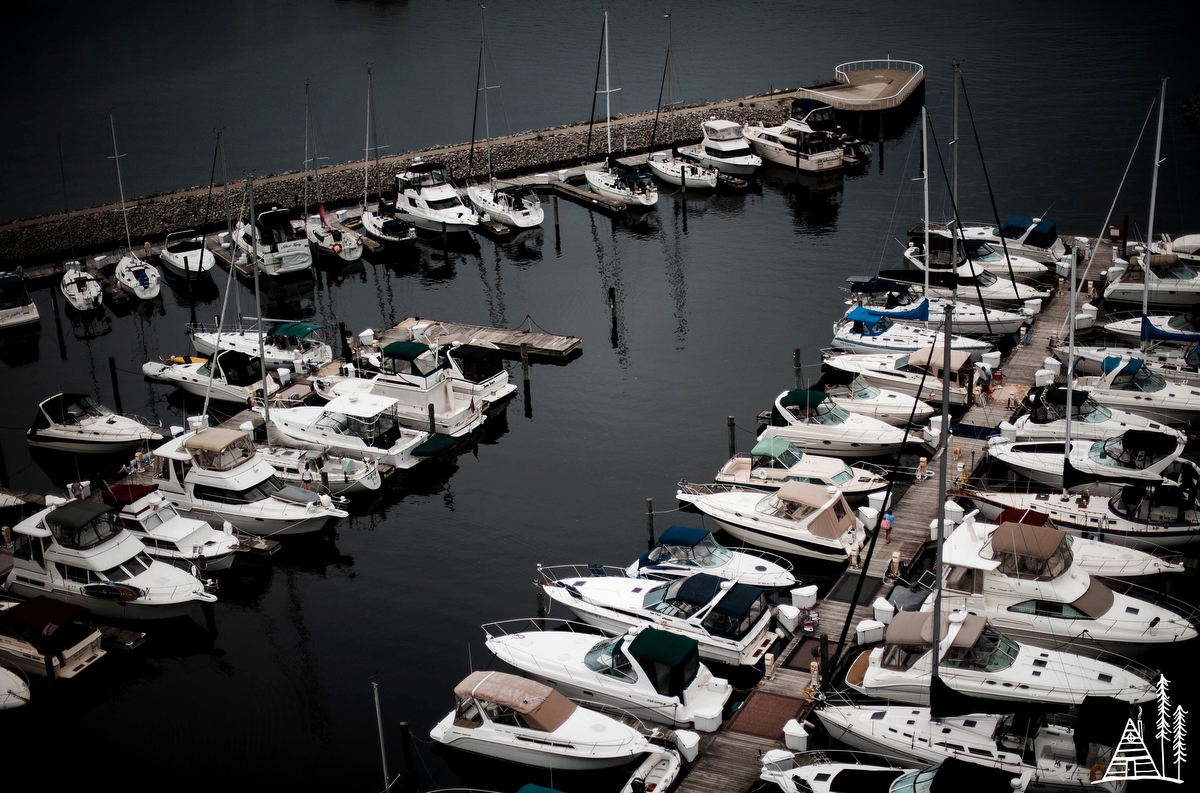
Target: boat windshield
<point>260,492</point>
<point>992,652</point>
<point>784,459</point>
<point>228,456</point>
<point>984,278</point>
<point>788,510</point>
<point>83,409</point>
<point>861,389</point>
<point>154,518</point>
<point>1142,380</point>
<point>607,659</point>
<point>445,203</point>
<point>901,656</point>
<point>707,553</point>
<point>1178,322</point>
<point>1034,567</point>
<point>13,294</point>
<point>1177,271</point>
<point>845,476</point>
<point>727,154</point>
<point>983,253</point>
<point>1117,451</point>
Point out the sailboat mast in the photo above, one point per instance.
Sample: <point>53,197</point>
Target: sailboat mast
<point>944,444</point>
<point>307,123</point>
<point>262,353</point>
<point>487,121</point>
<point>367,145</point>
<point>670,81</point>
<point>237,296</point>
<point>1070,376</point>
<point>230,285</point>
<point>1153,195</point>
<point>607,90</point>
<point>954,168</point>
<point>925,178</point>
<point>121,186</point>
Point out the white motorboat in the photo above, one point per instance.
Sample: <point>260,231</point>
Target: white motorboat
<point>986,255</point>
<point>14,691</point>
<point>1043,418</point>
<point>1032,238</point>
<point>217,473</point>
<point>476,366</point>
<point>167,535</point>
<point>814,422</point>
<point>426,196</point>
<point>774,461</point>
<point>359,425</point>
<point>78,423</point>
<point>1128,384</point>
<point>16,306</point>
<point>296,345</point>
<point>184,255</point>
<point>866,331</point>
<point>1183,327</point>
<point>236,377</point>
<point>281,249</point>
<point>856,395</point>
<point>1149,518</point>
<point>1186,247</point>
<point>898,300</point>
<point>801,519</point>
<point>731,622</point>
<point>338,476</point>
<point>1135,456</point>
<point>80,288</point>
<point>725,148</point>
<point>77,552</point>
<point>522,721</point>
<point>682,551</point>
<point>917,374</point>
<point>842,771</point>
<point>1025,581</point>
<point>682,173</point>
<point>967,282</point>
<point>383,224</point>
<point>331,240</point>
<point>1041,750</point>
<point>48,637</point>
<point>976,660</point>
<point>137,277</point>
<point>513,205</point>
<point>652,674</point>
<point>417,378</point>
<point>807,141</point>
<point>1177,365</point>
<point>1162,278</point>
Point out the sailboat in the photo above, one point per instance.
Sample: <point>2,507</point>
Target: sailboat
<point>327,239</point>
<point>514,205</point>
<point>627,186</point>
<point>665,164</point>
<point>132,274</point>
<point>379,221</point>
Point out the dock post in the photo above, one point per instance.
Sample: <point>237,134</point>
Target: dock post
<point>825,671</point>
<point>3,479</point>
<point>525,376</point>
<point>387,780</point>
<point>62,344</point>
<point>797,368</point>
<point>432,422</point>
<point>649,524</point>
<point>1124,241</point>
<point>408,772</point>
<point>732,438</point>
<point>112,370</point>
<point>557,237</point>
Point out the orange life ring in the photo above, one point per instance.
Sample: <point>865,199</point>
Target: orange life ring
<point>337,247</point>
<point>360,241</point>
<point>1097,772</point>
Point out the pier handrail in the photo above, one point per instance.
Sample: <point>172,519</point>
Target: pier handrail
<point>841,75</point>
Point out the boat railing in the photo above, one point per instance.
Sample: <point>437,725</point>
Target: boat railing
<point>622,715</point>
<point>877,470</point>
<point>1182,608</point>
<point>842,71</point>
<point>552,573</point>
<point>855,756</point>
<point>515,627</point>
<point>693,489</point>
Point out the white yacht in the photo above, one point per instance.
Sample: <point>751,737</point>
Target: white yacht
<point>236,378</point>
<point>339,476</point>
<point>1183,327</point>
<point>807,141</point>
<point>1032,238</point>
<point>899,300</point>
<point>138,278</point>
<point>16,306</point>
<point>967,282</point>
<point>476,366</point>
<point>725,148</point>
<point>975,659</point>
<point>78,423</point>
<point>1043,418</point>
<point>296,345</point>
<point>682,551</point>
<point>80,288</point>
<point>217,473</point>
<point>167,535</point>
<point>281,248</point>
<point>1134,456</point>
<point>917,374</point>
<point>986,255</point>
<point>681,173</point>
<point>521,721</point>
<point>1168,282</point>
<point>514,205</point>
<point>359,425</point>
<point>731,622</point>
<point>48,637</point>
<point>1186,247</point>
<point>856,395</point>
<point>75,551</point>
<point>652,674</point>
<point>801,519</point>
<point>1129,384</point>
<point>774,461</point>
<point>416,377</point>
<point>1178,365</point>
<point>865,331</point>
<point>814,422</point>
<point>426,196</point>
<point>383,223</point>
<point>626,185</point>
<point>845,771</point>
<point>1025,581</point>
<point>184,255</point>
<point>332,240</point>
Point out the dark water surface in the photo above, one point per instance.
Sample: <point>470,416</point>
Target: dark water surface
<point>271,686</point>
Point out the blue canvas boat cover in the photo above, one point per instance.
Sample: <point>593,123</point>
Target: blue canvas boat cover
<point>1043,235</point>
<point>684,536</point>
<point>1016,227</point>
<point>1113,361</point>
<point>1152,333</point>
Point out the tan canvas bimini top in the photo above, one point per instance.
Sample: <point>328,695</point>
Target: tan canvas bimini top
<point>913,628</point>
<point>213,439</point>
<point>1039,542</point>
<point>542,707</point>
<point>958,358</point>
<point>803,493</point>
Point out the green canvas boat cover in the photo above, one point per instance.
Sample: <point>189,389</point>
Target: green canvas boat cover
<point>405,350</point>
<point>295,330</point>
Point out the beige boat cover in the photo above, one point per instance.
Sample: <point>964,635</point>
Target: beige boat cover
<point>1038,542</point>
<point>958,358</point>
<point>542,707</point>
<point>804,493</point>
<point>213,439</point>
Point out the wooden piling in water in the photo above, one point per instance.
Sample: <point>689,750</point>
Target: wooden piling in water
<point>649,524</point>
<point>797,368</point>
<point>112,370</point>
<point>732,437</point>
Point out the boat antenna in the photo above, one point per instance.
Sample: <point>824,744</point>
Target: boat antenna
<point>939,572</point>
<point>62,169</point>
<point>1148,254</point>
<point>116,158</point>
<point>666,66</point>
<point>487,122</point>
<point>592,115</point>
<point>231,285</point>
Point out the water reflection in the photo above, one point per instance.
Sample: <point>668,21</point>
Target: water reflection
<point>814,199</point>
<point>21,345</point>
<point>90,325</point>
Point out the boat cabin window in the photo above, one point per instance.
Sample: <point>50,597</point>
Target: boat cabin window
<point>706,553</point>
<point>1048,608</point>
<point>379,431</point>
<point>1142,380</point>
<point>607,659</point>
<point>964,579</point>
<point>1177,271</point>
<point>263,490</point>
<point>992,652</point>
<point>727,154</point>
<point>664,599</point>
<point>76,575</point>
<point>1036,568</point>
<point>901,656</point>
<point>151,519</point>
<point>83,409</point>
<point>502,714</point>
<point>412,202</point>
<point>423,365</point>
<point>466,713</point>
<point>95,531</point>
<point>785,459</point>
<point>13,294</point>
<point>477,364</point>
<point>26,547</point>
<point>230,456</point>
<point>735,627</point>
<point>1127,455</point>
<point>789,510</point>
<point>981,277</point>
<point>442,204</point>
<point>128,569</point>
<point>841,478</point>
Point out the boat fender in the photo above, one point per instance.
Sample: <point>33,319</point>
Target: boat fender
<point>337,247</point>
<point>326,501</point>
<point>1097,772</point>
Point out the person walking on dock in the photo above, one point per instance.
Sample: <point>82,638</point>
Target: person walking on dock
<point>886,525</point>
<point>307,476</point>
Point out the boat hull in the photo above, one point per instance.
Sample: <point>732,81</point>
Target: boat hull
<point>111,609</point>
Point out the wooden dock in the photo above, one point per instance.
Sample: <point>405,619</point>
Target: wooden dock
<point>510,340</point>
<point>566,183</point>
<point>869,85</point>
